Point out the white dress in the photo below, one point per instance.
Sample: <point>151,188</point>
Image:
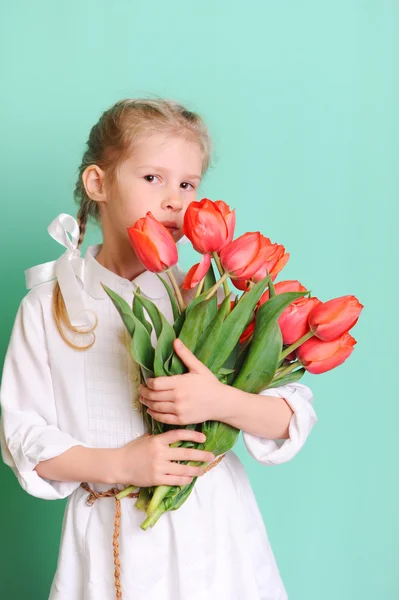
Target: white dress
<point>53,397</point>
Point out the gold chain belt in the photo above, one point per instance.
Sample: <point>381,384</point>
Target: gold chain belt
<point>113,492</point>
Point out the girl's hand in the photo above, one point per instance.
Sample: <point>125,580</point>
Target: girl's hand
<point>147,460</point>
<point>183,399</point>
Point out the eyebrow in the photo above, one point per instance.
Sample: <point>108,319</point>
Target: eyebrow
<point>158,168</point>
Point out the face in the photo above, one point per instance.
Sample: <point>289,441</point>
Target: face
<point>161,176</point>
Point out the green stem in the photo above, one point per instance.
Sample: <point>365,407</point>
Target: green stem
<point>296,345</point>
<point>176,289</point>
<point>217,285</point>
<point>152,519</point>
<point>221,271</point>
<point>126,491</point>
<point>199,288</point>
<point>286,370</point>
<point>143,499</point>
<point>162,490</point>
<point>158,495</point>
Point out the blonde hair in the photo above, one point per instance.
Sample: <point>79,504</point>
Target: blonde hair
<point>111,140</point>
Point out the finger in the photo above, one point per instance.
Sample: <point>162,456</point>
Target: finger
<point>166,418</point>
<point>189,359</point>
<point>184,470</point>
<point>176,480</point>
<point>175,435</point>
<point>156,396</point>
<point>162,383</point>
<point>160,407</point>
<point>190,454</point>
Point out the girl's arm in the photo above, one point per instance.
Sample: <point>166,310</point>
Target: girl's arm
<point>29,431</point>
<point>101,465</point>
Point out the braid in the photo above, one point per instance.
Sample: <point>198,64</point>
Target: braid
<point>83,215</point>
<point>59,309</point>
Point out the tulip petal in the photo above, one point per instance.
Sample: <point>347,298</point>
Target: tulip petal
<point>331,319</point>
<point>318,356</point>
<point>197,272</point>
<point>163,239</point>
<point>146,250</point>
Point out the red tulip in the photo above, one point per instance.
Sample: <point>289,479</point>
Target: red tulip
<point>331,319</point>
<point>242,257</point>
<point>153,244</point>
<point>197,272</point>
<point>229,217</point>
<point>209,225</point>
<point>318,356</point>
<point>274,259</point>
<point>293,321</point>
<point>289,285</point>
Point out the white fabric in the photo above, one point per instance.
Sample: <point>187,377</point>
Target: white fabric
<point>215,546</point>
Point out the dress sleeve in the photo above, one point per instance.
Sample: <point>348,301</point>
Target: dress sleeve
<point>29,432</point>
<point>274,452</point>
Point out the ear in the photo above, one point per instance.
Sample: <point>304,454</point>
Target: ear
<point>93,178</point>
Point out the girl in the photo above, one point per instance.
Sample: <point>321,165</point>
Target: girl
<point>72,422</point>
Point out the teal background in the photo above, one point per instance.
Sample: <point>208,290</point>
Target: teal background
<point>301,100</point>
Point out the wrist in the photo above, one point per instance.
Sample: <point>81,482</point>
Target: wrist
<point>229,403</point>
<point>115,467</point>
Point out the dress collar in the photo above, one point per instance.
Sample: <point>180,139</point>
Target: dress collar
<point>94,274</point>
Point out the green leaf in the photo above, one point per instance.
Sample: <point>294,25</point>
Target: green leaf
<point>141,348</point>
<point>234,325</point>
<point>175,502</point>
<point>211,333</point>
<point>173,301</point>
<point>220,437</point>
<point>264,351</point>
<point>272,291</point>
<point>291,378</point>
<point>152,310</point>
<point>123,308</point>
<point>195,322</point>
<point>164,348</point>
<point>210,279</point>
<point>178,324</point>
<point>139,312</point>
<point>224,371</point>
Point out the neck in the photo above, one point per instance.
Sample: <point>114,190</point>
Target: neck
<point>120,260</point>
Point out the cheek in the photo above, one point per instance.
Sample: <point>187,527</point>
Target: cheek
<point>134,201</point>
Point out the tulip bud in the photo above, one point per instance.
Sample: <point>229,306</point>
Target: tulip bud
<point>272,259</point>
<point>153,244</point>
<point>241,258</point>
<point>293,321</point>
<point>209,225</point>
<point>289,285</point>
<point>318,357</point>
<point>331,319</point>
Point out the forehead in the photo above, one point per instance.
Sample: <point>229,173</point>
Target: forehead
<point>168,152</point>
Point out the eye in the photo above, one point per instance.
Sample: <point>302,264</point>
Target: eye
<point>149,176</point>
<point>187,183</point>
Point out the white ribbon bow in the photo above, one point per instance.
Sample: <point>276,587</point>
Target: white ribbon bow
<point>66,269</point>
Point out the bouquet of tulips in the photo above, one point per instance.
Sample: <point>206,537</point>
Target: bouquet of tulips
<point>268,336</point>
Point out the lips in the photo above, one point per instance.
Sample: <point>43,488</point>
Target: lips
<point>170,224</point>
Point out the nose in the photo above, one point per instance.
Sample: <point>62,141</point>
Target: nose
<point>173,200</point>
